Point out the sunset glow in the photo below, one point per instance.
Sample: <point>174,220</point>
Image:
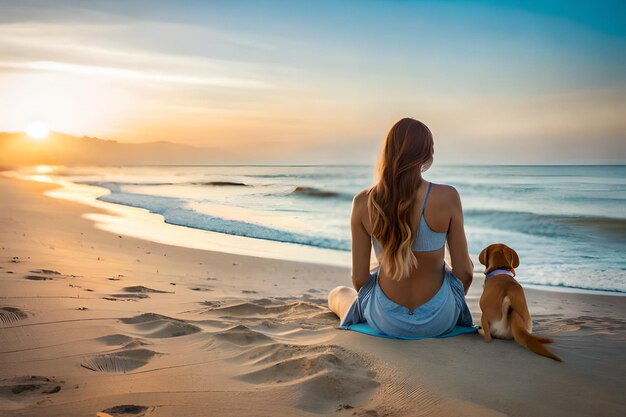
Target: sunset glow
<point>44,169</point>
<point>37,130</point>
<point>284,85</point>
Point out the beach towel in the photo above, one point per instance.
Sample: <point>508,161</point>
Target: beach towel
<point>366,329</point>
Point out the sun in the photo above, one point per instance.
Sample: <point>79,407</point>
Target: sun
<point>37,130</point>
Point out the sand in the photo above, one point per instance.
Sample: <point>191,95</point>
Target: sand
<point>94,322</point>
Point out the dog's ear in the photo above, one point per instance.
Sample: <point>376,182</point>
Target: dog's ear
<point>482,258</point>
<point>512,257</point>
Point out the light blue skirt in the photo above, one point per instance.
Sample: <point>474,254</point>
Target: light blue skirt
<point>438,316</point>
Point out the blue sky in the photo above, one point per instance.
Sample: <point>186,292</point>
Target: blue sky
<point>296,81</point>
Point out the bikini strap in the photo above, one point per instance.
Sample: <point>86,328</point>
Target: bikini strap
<point>426,198</point>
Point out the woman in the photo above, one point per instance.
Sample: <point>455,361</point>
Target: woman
<point>408,221</point>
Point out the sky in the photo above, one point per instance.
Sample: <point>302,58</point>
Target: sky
<point>323,81</point>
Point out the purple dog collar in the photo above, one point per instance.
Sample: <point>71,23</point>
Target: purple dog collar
<point>497,272</point>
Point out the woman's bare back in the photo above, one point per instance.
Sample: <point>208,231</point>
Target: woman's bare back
<point>423,282</point>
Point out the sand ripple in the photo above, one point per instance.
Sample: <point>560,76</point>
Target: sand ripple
<point>152,325</point>
<point>241,335</point>
<point>314,376</point>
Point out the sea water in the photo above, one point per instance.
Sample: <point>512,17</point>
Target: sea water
<point>567,223</point>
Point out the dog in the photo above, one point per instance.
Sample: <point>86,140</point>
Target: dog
<point>503,304</point>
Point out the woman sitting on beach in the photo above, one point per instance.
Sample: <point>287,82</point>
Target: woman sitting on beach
<point>408,221</point>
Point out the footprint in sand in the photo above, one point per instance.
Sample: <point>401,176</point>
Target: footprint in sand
<point>121,362</point>
<point>38,277</point>
<point>43,275</point>
<point>9,315</point>
<point>130,296</point>
<point>135,293</point>
<point>14,388</point>
<point>141,289</point>
<point>123,410</point>
<point>201,289</point>
<point>132,355</point>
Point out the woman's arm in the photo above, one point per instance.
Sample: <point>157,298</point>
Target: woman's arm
<point>361,241</point>
<point>462,266</point>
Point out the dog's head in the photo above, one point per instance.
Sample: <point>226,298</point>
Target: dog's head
<point>498,256</point>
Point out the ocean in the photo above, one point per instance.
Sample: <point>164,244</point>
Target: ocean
<point>567,223</point>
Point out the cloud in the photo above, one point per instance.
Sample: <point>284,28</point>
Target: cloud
<point>103,51</point>
<point>132,74</point>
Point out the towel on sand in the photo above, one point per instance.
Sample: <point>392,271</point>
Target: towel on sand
<point>366,329</point>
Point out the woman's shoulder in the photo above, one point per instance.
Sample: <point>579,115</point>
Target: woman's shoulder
<point>359,207</point>
<point>445,194</point>
<point>445,189</point>
<point>360,198</point>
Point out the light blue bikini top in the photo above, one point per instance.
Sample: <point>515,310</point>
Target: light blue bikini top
<point>426,240</point>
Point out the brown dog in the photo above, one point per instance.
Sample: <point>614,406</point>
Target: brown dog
<point>503,304</point>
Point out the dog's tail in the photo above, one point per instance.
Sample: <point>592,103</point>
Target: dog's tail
<point>521,333</point>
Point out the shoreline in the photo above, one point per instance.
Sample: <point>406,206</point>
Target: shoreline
<point>140,223</point>
<point>116,321</point>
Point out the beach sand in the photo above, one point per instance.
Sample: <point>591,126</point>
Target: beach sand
<point>95,322</point>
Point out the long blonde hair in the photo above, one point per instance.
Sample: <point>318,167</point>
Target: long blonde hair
<point>407,152</point>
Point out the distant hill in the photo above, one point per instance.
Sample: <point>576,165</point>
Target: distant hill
<point>62,149</point>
